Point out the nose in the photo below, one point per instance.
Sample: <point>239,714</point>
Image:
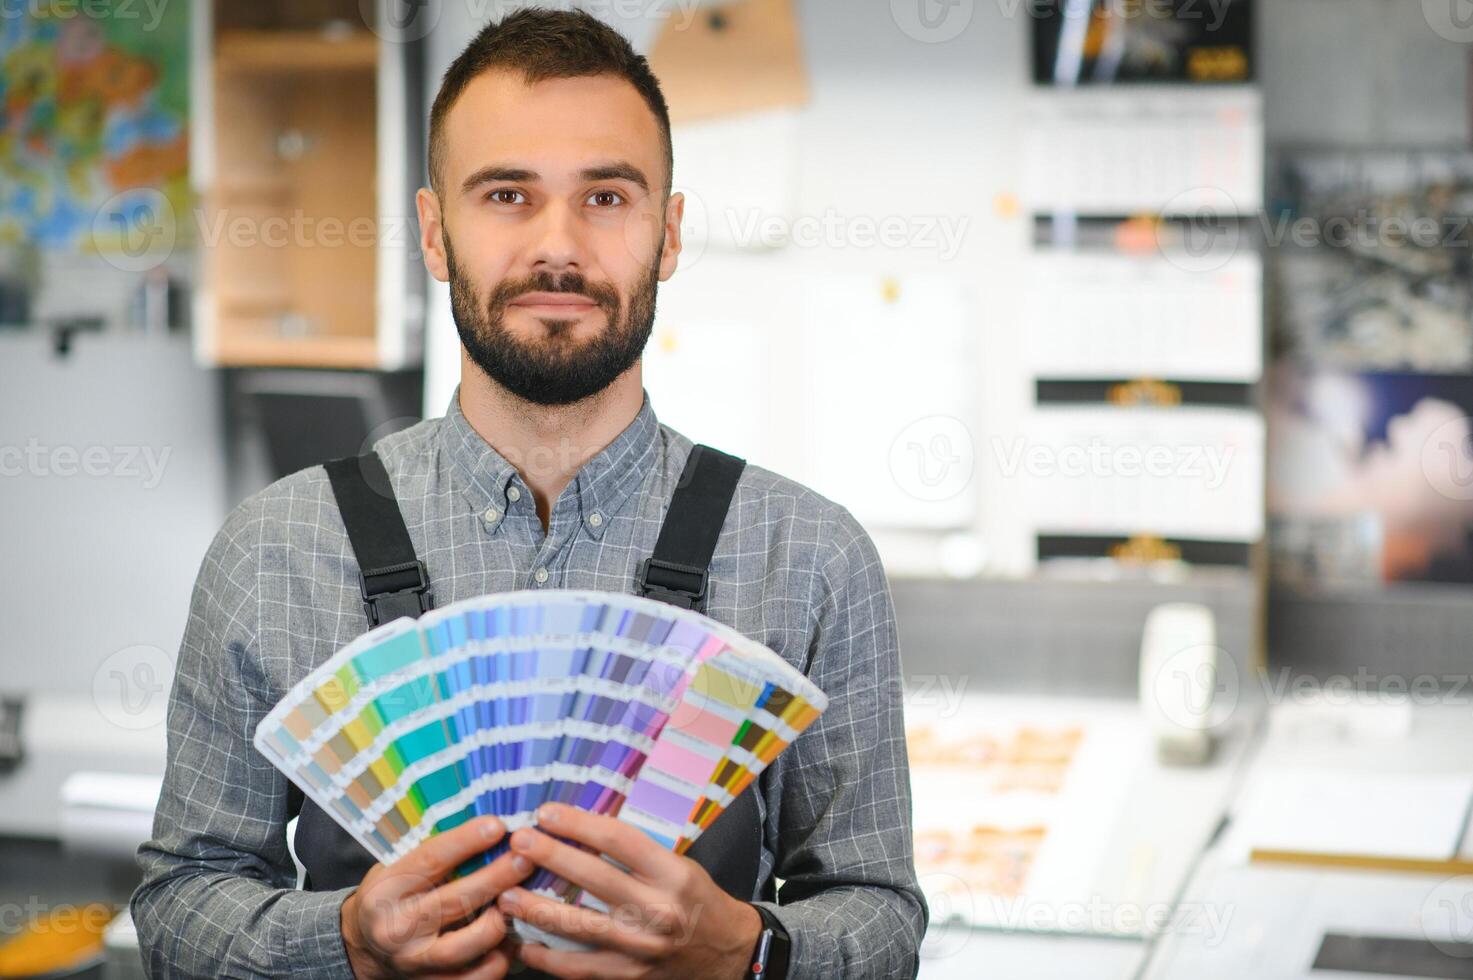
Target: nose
<point>557,243</point>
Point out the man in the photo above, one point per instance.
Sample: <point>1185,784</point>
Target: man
<point>552,219</point>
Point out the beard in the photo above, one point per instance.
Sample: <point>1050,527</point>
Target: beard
<point>555,369</point>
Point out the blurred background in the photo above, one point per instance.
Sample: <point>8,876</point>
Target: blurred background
<point>1138,333</point>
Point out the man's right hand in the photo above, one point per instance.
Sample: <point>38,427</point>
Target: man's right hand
<point>403,922</point>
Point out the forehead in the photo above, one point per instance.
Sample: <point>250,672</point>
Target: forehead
<point>552,126</point>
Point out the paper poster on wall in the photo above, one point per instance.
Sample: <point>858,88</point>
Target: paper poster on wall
<point>1120,152</point>
<point>1102,315</point>
<point>1188,472</point>
<point>890,371</point>
<point>739,178</point>
<point>705,379</point>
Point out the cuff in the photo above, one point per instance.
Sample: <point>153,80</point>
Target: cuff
<point>814,953</point>
<point>315,944</point>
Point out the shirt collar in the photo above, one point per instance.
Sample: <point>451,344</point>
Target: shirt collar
<point>597,490</point>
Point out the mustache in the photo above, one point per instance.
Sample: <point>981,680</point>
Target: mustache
<point>575,283</point>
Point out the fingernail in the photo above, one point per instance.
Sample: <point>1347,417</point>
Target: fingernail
<point>512,896</point>
<point>521,841</point>
<point>491,828</point>
<point>521,864</point>
<point>547,814</point>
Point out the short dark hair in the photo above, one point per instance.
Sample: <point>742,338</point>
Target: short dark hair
<point>543,44</point>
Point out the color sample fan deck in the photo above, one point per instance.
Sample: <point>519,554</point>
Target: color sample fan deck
<point>495,705</point>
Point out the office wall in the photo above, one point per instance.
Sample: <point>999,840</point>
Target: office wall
<point>896,125</point>
<point>1345,72</point>
<point>111,487</point>
<point>1361,73</point>
<point>899,126</point>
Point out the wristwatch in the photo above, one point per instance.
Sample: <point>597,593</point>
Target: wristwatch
<point>770,955</point>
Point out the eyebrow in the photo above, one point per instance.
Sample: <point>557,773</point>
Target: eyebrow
<point>613,170</point>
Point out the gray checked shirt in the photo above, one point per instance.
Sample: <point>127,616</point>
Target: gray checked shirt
<point>277,594</point>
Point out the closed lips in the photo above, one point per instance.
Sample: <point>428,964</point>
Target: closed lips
<point>552,299</point>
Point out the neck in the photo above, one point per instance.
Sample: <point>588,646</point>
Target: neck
<point>548,444</point>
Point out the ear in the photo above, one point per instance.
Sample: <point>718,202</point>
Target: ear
<point>431,232</point>
<point>670,257</point>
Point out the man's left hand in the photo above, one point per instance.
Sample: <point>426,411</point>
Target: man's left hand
<point>666,917</point>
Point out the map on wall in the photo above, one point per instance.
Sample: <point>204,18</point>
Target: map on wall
<point>94,152</point>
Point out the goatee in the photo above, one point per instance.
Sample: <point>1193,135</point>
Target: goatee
<point>555,369</point>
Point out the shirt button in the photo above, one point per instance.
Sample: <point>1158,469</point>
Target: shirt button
<point>513,494</point>
<point>596,519</point>
<point>540,575</point>
<point>491,516</point>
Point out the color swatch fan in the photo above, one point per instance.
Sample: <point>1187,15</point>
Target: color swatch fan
<point>613,703</point>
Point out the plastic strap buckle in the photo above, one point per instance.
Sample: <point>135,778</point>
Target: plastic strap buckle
<point>394,591</point>
<point>668,581</point>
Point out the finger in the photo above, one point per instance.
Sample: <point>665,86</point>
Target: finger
<point>429,863</point>
<point>589,871</point>
<point>622,932</point>
<point>461,898</point>
<point>496,965</point>
<point>572,965</point>
<point>623,842</point>
<point>461,949</point>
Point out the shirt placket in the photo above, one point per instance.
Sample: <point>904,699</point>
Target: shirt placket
<point>547,570</point>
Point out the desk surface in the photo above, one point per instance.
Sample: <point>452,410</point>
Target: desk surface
<point>1275,916</point>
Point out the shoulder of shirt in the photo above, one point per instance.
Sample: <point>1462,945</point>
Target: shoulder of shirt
<point>842,545</point>
<point>274,505</point>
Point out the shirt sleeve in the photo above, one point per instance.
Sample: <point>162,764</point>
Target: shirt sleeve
<point>849,899</point>
<point>218,896</point>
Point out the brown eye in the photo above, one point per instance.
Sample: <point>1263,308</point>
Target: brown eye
<point>613,194</point>
<point>497,198</point>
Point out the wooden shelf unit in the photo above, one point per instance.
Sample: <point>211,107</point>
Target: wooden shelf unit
<point>307,165</point>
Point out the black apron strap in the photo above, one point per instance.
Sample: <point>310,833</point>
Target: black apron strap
<point>677,571</point>
<point>391,578</point>
<point>393,583</point>
<point>731,848</point>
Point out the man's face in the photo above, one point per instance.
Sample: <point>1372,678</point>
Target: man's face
<point>551,230</point>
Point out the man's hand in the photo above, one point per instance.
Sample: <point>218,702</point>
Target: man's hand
<point>666,917</point>
<point>402,922</point>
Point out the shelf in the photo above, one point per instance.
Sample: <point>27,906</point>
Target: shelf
<point>307,125</point>
<point>236,348</point>
<point>244,51</point>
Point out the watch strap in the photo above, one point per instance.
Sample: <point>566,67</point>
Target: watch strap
<point>770,955</point>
